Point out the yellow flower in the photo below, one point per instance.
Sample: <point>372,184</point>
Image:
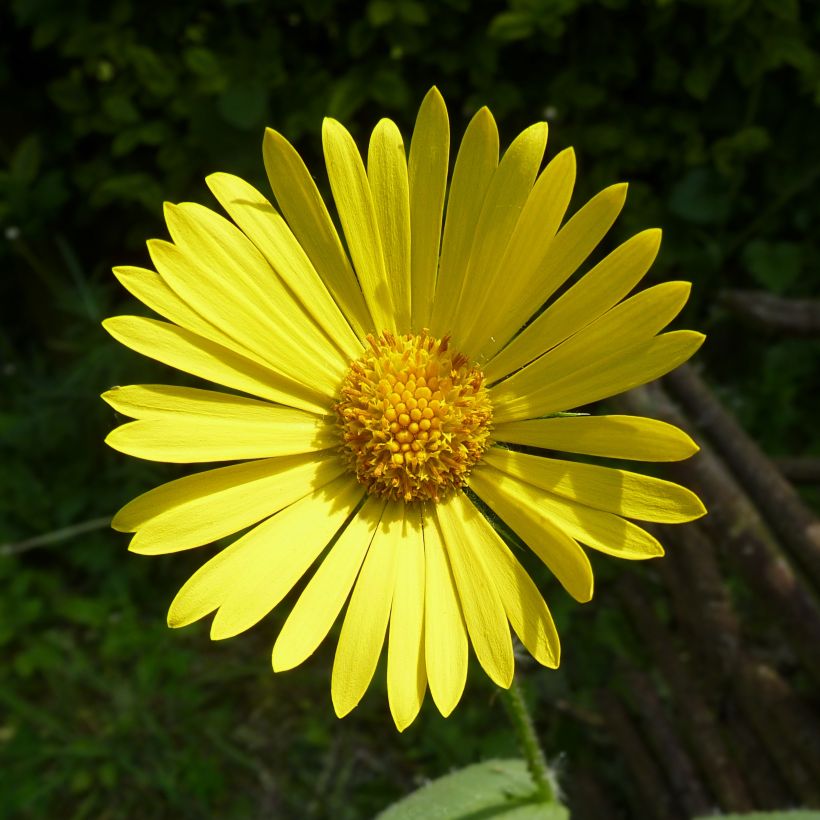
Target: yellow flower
<point>397,400</point>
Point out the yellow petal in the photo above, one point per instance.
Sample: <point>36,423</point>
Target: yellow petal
<point>323,598</point>
<point>594,294</point>
<point>202,508</point>
<point>198,356</point>
<point>481,604</point>
<point>368,613</point>
<point>561,553</point>
<point>600,530</point>
<point>578,238</point>
<point>627,437</point>
<point>304,209</point>
<point>534,231</point>
<point>152,290</point>
<point>475,165</point>
<point>247,579</point>
<point>241,327</point>
<point>406,675</point>
<point>267,230</point>
<point>183,424</point>
<point>617,491</point>
<point>222,275</point>
<point>445,636</point>
<point>638,364</point>
<point>428,164</point>
<point>354,203</point>
<point>632,321</point>
<point>230,263</point>
<point>567,251</point>
<point>505,199</point>
<point>387,174</point>
<point>526,610</point>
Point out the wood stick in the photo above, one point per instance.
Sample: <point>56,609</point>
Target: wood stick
<point>781,505</point>
<point>587,799</point>
<point>734,523</point>
<point>691,573</point>
<point>689,792</point>
<point>799,469</point>
<point>698,718</point>
<point>793,317</point>
<point>784,724</point>
<point>763,777</point>
<point>786,727</point>
<point>657,799</point>
<point>55,536</point>
<point>768,704</point>
<point>690,570</point>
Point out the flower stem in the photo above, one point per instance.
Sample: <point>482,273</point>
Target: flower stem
<point>528,741</point>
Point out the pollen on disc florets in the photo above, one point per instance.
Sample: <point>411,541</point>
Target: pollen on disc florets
<point>415,417</point>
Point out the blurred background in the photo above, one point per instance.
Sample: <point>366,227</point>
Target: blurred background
<point>687,686</point>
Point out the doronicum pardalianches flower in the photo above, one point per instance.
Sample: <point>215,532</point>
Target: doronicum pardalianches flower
<point>387,400</point>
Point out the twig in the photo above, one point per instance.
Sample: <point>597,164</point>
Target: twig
<point>787,731</point>
<point>764,779</point>
<point>799,469</point>
<point>784,724</point>
<point>792,317</point>
<point>54,537</point>
<point>779,502</point>
<point>657,801</point>
<point>690,572</point>
<point>735,524</point>
<point>658,728</point>
<point>700,720</point>
<point>588,800</point>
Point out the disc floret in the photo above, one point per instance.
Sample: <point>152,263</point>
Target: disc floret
<point>414,416</point>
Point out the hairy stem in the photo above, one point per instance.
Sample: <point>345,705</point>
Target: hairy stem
<point>528,741</point>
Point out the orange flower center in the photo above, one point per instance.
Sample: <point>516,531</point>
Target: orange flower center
<point>415,417</point>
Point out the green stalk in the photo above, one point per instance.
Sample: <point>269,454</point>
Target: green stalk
<point>528,741</point>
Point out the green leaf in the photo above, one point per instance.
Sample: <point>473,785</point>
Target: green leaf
<point>69,94</point>
<point>511,25</point>
<point>243,106</point>
<point>492,789</point>
<point>135,187</point>
<point>700,197</point>
<point>775,265</point>
<point>784,9</point>
<point>731,151</point>
<point>25,163</point>
<point>414,13</point>
<point>346,96</point>
<point>701,77</point>
<point>152,71</point>
<point>380,12</point>
<point>389,89</point>
<point>205,64</point>
<point>202,61</point>
<point>120,109</point>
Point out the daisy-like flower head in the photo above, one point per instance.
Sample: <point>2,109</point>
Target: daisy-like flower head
<point>387,401</point>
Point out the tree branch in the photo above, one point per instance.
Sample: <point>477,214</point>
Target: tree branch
<point>792,317</point>
<point>779,502</point>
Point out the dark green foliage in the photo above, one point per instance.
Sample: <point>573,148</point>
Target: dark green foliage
<point>709,109</point>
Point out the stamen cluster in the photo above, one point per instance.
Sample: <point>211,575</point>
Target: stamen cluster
<point>415,417</point>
